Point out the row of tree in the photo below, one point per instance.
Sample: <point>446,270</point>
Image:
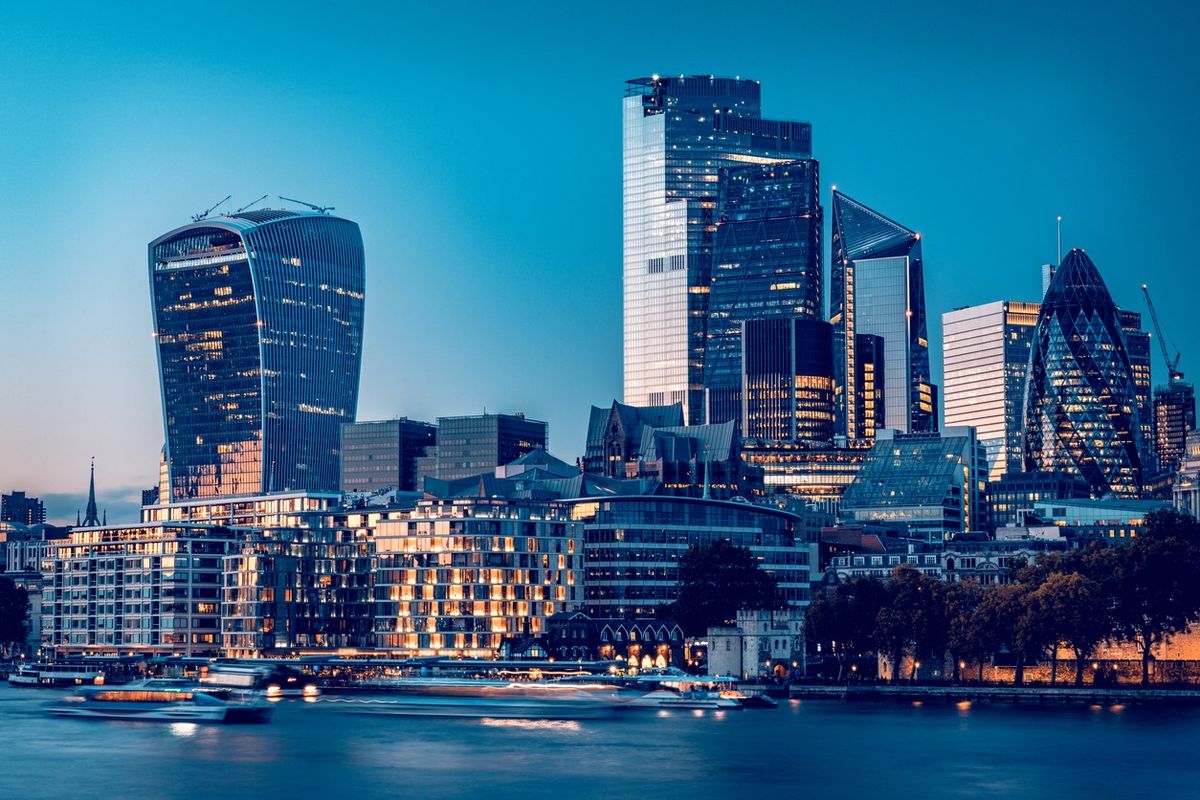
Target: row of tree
<point>1141,593</point>
<point>14,612</point>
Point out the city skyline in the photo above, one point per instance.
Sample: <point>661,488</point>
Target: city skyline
<point>83,304</point>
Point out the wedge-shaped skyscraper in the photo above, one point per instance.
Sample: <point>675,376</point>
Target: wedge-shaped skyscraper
<point>877,288</point>
<point>258,323</point>
<point>1081,409</point>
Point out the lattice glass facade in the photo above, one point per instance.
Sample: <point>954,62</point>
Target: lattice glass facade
<point>1081,410</point>
<point>877,287</point>
<point>985,362</point>
<point>258,324</point>
<point>678,134</point>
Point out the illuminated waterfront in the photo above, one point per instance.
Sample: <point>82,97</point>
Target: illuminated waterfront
<point>851,749</point>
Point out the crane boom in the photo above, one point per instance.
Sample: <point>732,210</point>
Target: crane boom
<point>1172,365</point>
<point>316,208</point>
<point>203,214</point>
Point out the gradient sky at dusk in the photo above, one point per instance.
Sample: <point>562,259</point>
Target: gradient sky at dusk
<point>479,148</point>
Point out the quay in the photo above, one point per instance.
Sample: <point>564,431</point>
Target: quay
<point>1018,695</point>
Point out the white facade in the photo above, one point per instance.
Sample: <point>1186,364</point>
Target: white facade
<point>759,642</point>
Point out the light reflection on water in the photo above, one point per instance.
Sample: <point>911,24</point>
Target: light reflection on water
<point>312,750</point>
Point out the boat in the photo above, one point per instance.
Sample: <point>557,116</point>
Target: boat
<point>667,698</point>
<point>51,675</point>
<point>673,688</point>
<point>437,697</point>
<point>162,700</point>
<point>276,681</point>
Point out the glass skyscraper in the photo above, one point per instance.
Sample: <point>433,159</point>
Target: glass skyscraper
<point>766,265</point>
<point>258,325</point>
<point>877,287</point>
<point>985,361</point>
<point>1081,409</point>
<point>678,135</point>
<point>787,380</point>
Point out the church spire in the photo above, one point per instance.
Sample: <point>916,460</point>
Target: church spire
<point>92,518</point>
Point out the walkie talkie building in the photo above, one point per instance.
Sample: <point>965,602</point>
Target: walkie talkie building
<point>258,324</point>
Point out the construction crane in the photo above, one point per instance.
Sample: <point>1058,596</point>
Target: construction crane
<point>1172,365</point>
<point>251,203</point>
<point>318,209</point>
<point>205,213</point>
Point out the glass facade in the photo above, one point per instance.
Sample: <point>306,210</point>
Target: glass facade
<point>1081,410</point>
<point>470,446</point>
<point>1137,343</point>
<point>985,362</point>
<point>787,380</point>
<point>258,324</point>
<point>1174,418</point>
<point>877,288</point>
<point>378,456</point>
<point>634,544</point>
<point>678,134</point>
<point>766,264</point>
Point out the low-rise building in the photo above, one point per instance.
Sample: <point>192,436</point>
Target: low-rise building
<point>760,644</point>
<point>1112,520</point>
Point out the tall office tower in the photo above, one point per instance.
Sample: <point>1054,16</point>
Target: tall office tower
<point>1047,277</point>
<point>378,456</point>
<point>870,378</point>
<point>1137,341</point>
<point>19,507</point>
<point>877,287</point>
<point>1174,418</point>
<point>787,380</point>
<point>766,264</point>
<point>985,362</point>
<point>678,134</point>
<point>1081,411</point>
<point>258,318</point>
<point>470,446</point>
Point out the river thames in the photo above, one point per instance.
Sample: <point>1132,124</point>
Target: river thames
<point>314,750</point>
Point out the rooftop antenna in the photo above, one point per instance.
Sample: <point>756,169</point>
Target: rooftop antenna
<point>318,209</point>
<point>203,214</point>
<point>1060,240</point>
<point>252,203</point>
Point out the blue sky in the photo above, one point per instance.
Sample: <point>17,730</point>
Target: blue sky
<point>478,146</point>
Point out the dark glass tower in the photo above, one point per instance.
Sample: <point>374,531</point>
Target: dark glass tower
<point>787,380</point>
<point>877,287</point>
<point>1174,418</point>
<point>678,133</point>
<point>1081,408</point>
<point>258,322</point>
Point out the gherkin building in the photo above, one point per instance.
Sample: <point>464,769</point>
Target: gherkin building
<point>1081,412</point>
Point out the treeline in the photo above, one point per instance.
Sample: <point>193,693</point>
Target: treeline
<point>1141,593</point>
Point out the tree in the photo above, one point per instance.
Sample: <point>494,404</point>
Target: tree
<point>912,620</point>
<point>716,580</point>
<point>1157,593</point>
<point>968,636</point>
<point>842,619</point>
<point>1006,610</point>
<point>1072,609</point>
<point>14,611</point>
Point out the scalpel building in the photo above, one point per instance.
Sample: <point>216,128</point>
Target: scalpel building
<point>258,324</point>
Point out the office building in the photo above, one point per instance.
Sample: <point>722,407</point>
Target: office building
<point>678,134</point>
<point>1011,499</point>
<point>258,324</point>
<point>379,456</point>
<point>19,507</point>
<point>766,265</point>
<point>1137,343</point>
<point>932,484</point>
<point>1185,491</point>
<point>786,380</point>
<point>470,446</point>
<point>1174,419</point>
<point>1081,413</point>
<point>1115,520</point>
<point>985,361</point>
<point>877,288</point>
<point>815,475</point>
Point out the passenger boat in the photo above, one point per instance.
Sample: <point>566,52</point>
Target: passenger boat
<point>277,682</point>
<point>50,675</point>
<point>486,699</point>
<point>158,700</point>
<point>666,698</point>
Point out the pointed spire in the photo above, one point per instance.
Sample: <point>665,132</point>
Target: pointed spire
<point>92,518</point>
<point>78,519</point>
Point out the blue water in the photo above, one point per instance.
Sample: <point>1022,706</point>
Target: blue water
<point>828,748</point>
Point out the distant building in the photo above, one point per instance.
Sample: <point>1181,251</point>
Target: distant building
<point>1011,499</point>
<point>786,380</point>
<point>992,561</point>
<point>985,364</point>
<point>1114,520</point>
<point>877,288</point>
<point>19,507</point>
<point>614,436</point>
<point>377,456</point>
<point>1082,408</point>
<point>761,644</point>
<point>1185,492</point>
<point>468,446</point>
<point>150,496</point>
<point>816,474</point>
<point>644,642</point>
<point>258,319</point>
<point>1174,419</point>
<point>934,484</point>
<point>1137,342</point>
<point>871,385</point>
<point>880,560</point>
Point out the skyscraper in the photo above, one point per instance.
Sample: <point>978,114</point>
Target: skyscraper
<point>877,287</point>
<point>19,507</point>
<point>1174,418</point>
<point>985,361</point>
<point>258,323</point>
<point>766,265</point>
<point>678,135</point>
<point>1081,410</point>
<point>787,381</point>
<point>1137,341</point>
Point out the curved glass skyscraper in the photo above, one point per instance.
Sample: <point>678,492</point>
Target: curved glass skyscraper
<point>1081,406</point>
<point>258,323</point>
